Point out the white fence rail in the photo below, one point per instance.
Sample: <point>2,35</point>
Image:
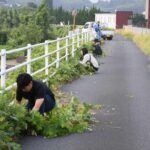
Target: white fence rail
<point>76,40</point>
<point>137,30</point>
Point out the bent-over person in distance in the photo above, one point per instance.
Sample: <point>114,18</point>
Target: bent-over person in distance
<point>88,57</point>
<point>97,52</point>
<point>97,48</point>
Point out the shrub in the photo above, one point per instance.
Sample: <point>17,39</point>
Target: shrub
<point>3,37</point>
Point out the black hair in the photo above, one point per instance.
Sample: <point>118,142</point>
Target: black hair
<point>23,80</point>
<point>84,51</point>
<point>96,40</point>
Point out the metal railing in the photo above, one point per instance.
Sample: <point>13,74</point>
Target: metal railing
<point>76,40</point>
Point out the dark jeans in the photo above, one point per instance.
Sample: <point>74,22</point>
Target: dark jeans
<point>48,104</point>
<point>96,69</point>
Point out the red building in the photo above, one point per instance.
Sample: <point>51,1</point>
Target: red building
<point>122,18</point>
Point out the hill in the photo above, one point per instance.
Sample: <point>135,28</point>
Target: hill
<point>105,5</point>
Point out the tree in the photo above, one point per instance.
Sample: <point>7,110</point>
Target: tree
<point>3,37</point>
<point>43,19</point>
<point>25,34</point>
<point>49,3</point>
<point>9,18</point>
<point>139,20</point>
<point>86,14</point>
<point>15,18</point>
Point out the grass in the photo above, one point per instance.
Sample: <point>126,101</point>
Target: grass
<point>4,47</point>
<point>142,40</point>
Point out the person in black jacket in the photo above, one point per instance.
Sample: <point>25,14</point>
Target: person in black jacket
<point>40,97</point>
<point>97,52</point>
<point>97,48</point>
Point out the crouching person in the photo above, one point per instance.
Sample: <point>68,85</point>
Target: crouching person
<point>88,57</point>
<point>97,48</point>
<point>40,97</point>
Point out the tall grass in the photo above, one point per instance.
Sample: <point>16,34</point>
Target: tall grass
<point>142,40</point>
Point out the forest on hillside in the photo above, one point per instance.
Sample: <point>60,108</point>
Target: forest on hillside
<point>19,26</point>
<point>104,5</point>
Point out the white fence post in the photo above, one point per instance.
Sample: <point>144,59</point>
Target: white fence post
<point>29,59</point>
<point>88,36</point>
<point>78,40</point>
<point>73,41</point>
<point>57,54</point>
<point>3,68</point>
<point>46,58</point>
<point>89,33</point>
<point>82,37</point>
<point>67,43</point>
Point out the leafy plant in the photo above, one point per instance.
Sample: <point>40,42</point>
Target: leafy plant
<point>69,116</point>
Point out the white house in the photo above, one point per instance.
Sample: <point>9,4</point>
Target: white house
<point>106,20</point>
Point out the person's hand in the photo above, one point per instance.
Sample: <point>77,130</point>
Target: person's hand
<point>38,104</point>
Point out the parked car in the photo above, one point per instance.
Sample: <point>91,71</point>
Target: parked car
<point>106,33</point>
<point>88,25</point>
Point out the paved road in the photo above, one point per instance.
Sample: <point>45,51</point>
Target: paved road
<point>122,85</point>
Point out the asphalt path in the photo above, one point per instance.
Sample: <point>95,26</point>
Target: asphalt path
<point>122,85</point>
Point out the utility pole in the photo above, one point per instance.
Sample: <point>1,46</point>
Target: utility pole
<point>148,13</point>
<point>74,13</point>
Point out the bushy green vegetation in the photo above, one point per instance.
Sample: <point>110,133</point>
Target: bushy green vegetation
<point>33,25</point>
<point>30,25</point>
<point>69,116</point>
<point>142,40</point>
<point>19,28</point>
<point>139,20</point>
<point>23,26</point>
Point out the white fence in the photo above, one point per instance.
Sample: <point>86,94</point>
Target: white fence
<point>137,30</point>
<point>76,40</point>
